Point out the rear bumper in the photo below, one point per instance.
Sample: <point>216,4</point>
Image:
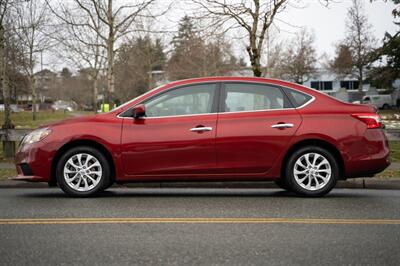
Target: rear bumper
<point>373,155</point>
<point>369,168</point>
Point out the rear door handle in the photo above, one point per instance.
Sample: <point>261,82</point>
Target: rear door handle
<point>201,129</point>
<point>283,125</point>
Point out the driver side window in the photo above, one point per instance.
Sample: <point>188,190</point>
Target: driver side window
<point>190,100</point>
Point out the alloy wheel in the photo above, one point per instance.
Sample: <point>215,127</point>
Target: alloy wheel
<point>312,171</point>
<point>82,172</point>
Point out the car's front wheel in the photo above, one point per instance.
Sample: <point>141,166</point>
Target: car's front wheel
<point>312,171</point>
<point>83,171</point>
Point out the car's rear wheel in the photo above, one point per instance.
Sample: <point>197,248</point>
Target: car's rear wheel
<point>83,171</point>
<point>312,171</point>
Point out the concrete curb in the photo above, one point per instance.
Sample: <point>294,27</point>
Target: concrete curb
<point>362,183</point>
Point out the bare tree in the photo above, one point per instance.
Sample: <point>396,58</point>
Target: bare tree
<point>359,38</point>
<point>299,58</point>
<point>109,20</point>
<point>31,28</point>
<point>4,10</point>
<point>15,59</point>
<point>90,58</point>
<point>274,57</point>
<point>255,17</point>
<point>81,45</point>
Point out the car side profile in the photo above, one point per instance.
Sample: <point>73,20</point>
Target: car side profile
<point>211,129</point>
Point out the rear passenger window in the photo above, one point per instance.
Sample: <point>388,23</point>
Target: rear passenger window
<point>298,98</point>
<point>239,97</point>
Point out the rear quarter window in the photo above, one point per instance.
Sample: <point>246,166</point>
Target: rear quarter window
<point>297,98</point>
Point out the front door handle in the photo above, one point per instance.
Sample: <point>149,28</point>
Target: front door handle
<point>283,125</point>
<point>201,129</point>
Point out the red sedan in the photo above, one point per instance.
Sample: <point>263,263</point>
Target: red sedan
<point>211,129</point>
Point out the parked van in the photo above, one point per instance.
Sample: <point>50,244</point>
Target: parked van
<point>383,101</point>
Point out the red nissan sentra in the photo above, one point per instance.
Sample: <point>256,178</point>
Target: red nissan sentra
<point>211,129</point>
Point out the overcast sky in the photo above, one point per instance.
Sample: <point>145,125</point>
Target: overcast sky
<point>328,24</point>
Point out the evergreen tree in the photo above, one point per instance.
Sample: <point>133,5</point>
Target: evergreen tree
<point>193,56</point>
<point>134,65</point>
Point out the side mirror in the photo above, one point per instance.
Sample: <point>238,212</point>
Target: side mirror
<point>139,111</point>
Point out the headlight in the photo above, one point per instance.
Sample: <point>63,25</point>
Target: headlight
<point>36,135</point>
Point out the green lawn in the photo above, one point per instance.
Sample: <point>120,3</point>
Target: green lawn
<point>7,173</point>
<point>388,112</point>
<point>394,151</point>
<point>389,173</point>
<point>24,119</point>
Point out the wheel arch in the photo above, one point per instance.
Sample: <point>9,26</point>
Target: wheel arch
<point>81,142</point>
<point>320,143</point>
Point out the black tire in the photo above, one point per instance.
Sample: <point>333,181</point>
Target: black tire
<point>281,182</point>
<point>110,183</point>
<point>296,187</point>
<point>105,179</point>
<point>386,106</point>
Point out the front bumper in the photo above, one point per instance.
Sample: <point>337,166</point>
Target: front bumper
<point>31,178</point>
<point>34,162</point>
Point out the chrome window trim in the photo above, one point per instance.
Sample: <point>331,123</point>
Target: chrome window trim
<point>168,116</point>
<point>253,111</point>
<point>221,113</point>
<point>306,103</point>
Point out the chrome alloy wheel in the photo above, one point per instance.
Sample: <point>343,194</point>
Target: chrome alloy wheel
<point>312,171</point>
<point>82,172</point>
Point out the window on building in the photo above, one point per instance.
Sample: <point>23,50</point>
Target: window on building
<point>322,85</point>
<point>349,84</point>
<point>327,85</point>
<point>315,85</point>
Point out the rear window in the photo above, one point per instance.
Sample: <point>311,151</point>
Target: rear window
<point>297,98</point>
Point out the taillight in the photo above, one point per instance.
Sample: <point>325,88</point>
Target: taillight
<point>371,120</point>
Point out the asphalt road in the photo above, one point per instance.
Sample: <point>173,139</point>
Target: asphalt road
<point>199,227</point>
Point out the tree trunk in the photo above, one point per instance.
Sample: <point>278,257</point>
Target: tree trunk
<point>110,49</point>
<point>33,90</point>
<point>8,146</point>
<point>95,84</point>
<point>110,66</point>
<point>360,79</point>
<point>4,82</point>
<point>255,62</point>
<point>254,53</point>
